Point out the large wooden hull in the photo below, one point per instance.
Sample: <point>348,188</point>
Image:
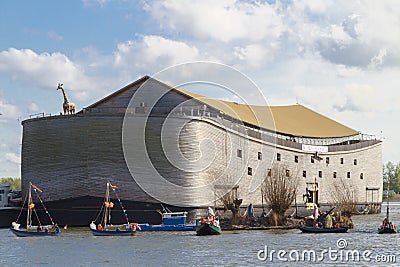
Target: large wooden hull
<point>208,229</point>
<point>307,229</point>
<point>24,233</point>
<point>112,232</point>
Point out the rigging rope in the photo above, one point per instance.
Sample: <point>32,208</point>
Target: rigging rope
<point>20,212</point>
<point>120,202</point>
<point>44,207</point>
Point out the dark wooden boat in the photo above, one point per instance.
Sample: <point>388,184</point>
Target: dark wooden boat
<point>24,233</point>
<point>105,228</point>
<point>308,229</point>
<point>30,229</point>
<point>386,230</point>
<point>126,232</point>
<point>208,229</point>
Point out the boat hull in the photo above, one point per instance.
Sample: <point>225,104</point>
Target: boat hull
<point>112,233</point>
<point>307,229</point>
<point>24,233</point>
<point>386,230</point>
<point>163,227</point>
<point>207,229</point>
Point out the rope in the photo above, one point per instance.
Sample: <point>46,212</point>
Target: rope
<point>20,212</point>
<point>44,207</point>
<point>37,218</point>
<point>122,206</point>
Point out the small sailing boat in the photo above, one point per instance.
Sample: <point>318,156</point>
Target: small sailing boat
<point>30,229</point>
<point>387,226</point>
<point>209,225</point>
<point>104,227</point>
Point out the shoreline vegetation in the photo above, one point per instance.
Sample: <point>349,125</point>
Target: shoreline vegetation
<point>14,182</point>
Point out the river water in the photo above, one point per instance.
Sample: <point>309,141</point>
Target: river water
<point>361,246</point>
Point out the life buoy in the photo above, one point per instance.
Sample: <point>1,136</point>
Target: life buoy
<point>99,227</point>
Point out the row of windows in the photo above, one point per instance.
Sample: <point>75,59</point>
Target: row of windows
<point>348,174</point>
<point>296,158</point>
<point>250,171</point>
<point>239,154</point>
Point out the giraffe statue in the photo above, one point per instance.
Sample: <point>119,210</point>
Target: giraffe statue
<point>69,107</point>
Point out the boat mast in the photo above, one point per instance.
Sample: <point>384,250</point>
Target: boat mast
<point>106,204</point>
<point>29,215</point>
<point>387,202</point>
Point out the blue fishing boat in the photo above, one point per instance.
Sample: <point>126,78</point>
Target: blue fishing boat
<point>171,221</point>
<point>104,227</point>
<point>30,229</point>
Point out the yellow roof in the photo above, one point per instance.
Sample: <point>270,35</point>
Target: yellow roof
<point>295,120</point>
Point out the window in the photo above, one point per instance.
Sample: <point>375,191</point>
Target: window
<point>348,174</point>
<point>249,171</point>
<point>1,198</point>
<point>239,153</point>
<point>341,160</point>
<point>304,174</point>
<point>355,161</point>
<point>296,159</point>
<point>259,156</point>
<point>361,176</point>
<point>287,173</point>
<point>269,173</point>
<point>312,159</point>
<point>278,157</point>
<point>320,174</point>
<point>334,174</point>
<point>327,160</point>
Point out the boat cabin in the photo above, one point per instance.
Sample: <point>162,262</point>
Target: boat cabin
<point>4,191</point>
<point>174,218</point>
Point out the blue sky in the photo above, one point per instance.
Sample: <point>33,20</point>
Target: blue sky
<point>339,58</point>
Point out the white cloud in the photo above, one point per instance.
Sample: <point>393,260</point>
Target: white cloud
<point>33,107</point>
<point>43,70</point>
<point>13,158</point>
<point>349,33</point>
<point>225,20</point>
<point>8,112</point>
<point>152,53</point>
<point>252,55</point>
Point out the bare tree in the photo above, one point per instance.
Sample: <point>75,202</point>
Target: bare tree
<point>231,202</point>
<point>343,197</point>
<point>279,190</point>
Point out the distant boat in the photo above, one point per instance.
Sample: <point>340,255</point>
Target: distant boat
<point>315,230</point>
<point>209,225</point>
<point>171,221</point>
<point>34,230</point>
<point>387,226</point>
<point>104,227</point>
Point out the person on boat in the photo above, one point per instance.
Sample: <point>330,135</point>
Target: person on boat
<point>391,226</point>
<point>210,215</point>
<point>385,223</point>
<point>39,228</point>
